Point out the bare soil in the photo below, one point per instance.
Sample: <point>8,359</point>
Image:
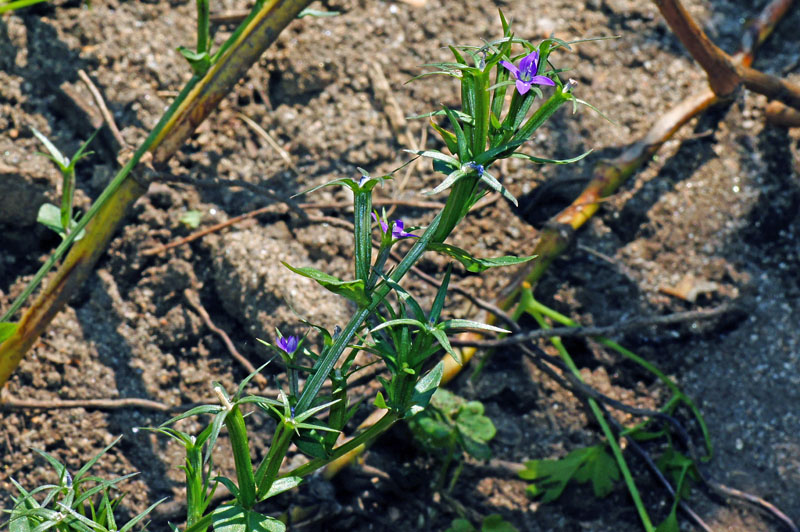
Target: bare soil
<point>716,212</point>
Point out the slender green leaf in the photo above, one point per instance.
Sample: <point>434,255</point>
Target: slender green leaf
<point>473,264</point>
<point>542,160</point>
<point>425,388</point>
<point>352,290</point>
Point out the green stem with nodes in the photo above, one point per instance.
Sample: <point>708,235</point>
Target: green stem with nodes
<point>268,470</point>
<point>329,356</point>
<point>545,111</point>
<point>195,492</point>
<point>364,438</point>
<point>462,192</point>
<point>193,105</point>
<point>203,37</point>
<point>241,456</point>
<point>67,194</point>
<point>362,203</point>
<point>535,309</point>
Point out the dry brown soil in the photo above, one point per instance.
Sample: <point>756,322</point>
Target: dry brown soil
<point>716,210</point>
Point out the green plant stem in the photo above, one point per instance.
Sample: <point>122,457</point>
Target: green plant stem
<point>67,193</point>
<point>364,438</point>
<point>630,355</point>
<point>268,469</point>
<point>545,111</point>
<point>109,191</point>
<point>241,457</point>
<point>195,495</point>
<point>329,357</point>
<point>362,203</point>
<point>202,524</point>
<point>203,43</point>
<point>534,308</point>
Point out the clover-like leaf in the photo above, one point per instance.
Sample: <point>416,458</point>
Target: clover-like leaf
<point>582,465</point>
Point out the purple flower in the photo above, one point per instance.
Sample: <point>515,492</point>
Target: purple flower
<point>526,73</point>
<point>398,228</point>
<point>288,344</point>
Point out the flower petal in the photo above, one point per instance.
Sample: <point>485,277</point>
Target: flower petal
<point>523,86</point>
<point>511,68</point>
<point>542,80</point>
<point>530,63</point>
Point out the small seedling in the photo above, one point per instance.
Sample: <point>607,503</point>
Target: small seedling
<point>60,219</point>
<point>453,425</point>
<point>590,464</point>
<point>80,502</point>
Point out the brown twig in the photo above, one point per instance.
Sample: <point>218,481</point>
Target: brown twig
<point>222,183</point>
<point>339,205</point>
<point>228,17</point>
<point>724,73</point>
<point>208,230</point>
<point>609,330</point>
<point>782,115</point>
<point>270,141</point>
<point>194,301</point>
<point>101,104</point>
<point>726,492</point>
<point>95,404</point>
<point>385,96</point>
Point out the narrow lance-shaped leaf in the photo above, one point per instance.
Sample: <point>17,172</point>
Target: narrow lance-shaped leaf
<point>352,290</point>
<point>474,264</point>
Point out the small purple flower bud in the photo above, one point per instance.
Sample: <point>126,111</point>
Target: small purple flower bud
<point>288,344</point>
<point>526,74</point>
<point>477,167</point>
<point>398,228</point>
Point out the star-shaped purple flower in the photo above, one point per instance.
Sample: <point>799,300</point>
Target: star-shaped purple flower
<point>398,228</point>
<point>288,344</point>
<point>526,73</point>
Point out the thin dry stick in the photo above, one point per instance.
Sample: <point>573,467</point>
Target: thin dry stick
<point>385,96</point>
<point>339,205</point>
<point>208,230</point>
<point>228,17</point>
<point>101,104</point>
<point>95,404</point>
<point>221,183</point>
<point>270,141</point>
<point>726,491</point>
<point>609,330</point>
<point>193,300</point>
